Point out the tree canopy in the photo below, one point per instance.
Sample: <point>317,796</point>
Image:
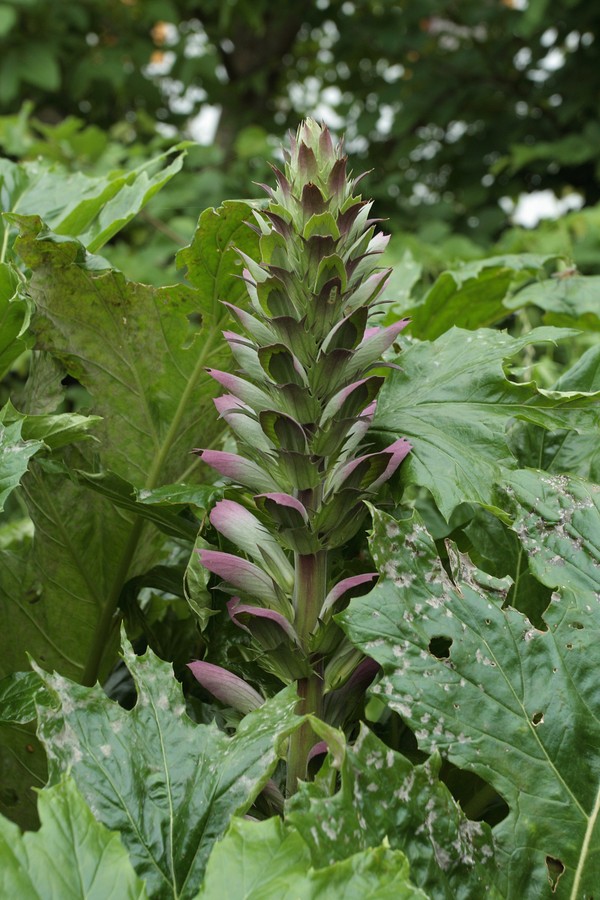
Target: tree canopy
<point>455,105</point>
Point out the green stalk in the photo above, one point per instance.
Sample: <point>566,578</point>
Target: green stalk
<point>309,594</point>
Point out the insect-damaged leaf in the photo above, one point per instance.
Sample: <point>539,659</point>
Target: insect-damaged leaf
<point>557,519</point>
<point>72,856</point>
<point>516,705</point>
<point>167,785</point>
<point>452,400</point>
<point>383,795</point>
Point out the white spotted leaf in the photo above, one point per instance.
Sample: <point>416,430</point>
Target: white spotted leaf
<point>169,786</point>
<point>383,795</point>
<point>557,519</point>
<point>517,705</point>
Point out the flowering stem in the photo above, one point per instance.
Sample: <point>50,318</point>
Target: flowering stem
<point>309,594</point>
<point>299,410</point>
<point>310,691</point>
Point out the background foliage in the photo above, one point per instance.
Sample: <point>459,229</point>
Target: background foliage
<point>455,107</point>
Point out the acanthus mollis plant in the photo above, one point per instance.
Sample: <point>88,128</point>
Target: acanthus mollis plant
<point>300,408</point>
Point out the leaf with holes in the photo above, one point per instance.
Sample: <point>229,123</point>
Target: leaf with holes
<point>383,795</point>
<point>518,706</point>
<point>557,519</point>
<point>167,785</point>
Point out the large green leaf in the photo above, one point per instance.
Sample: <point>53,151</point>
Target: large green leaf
<point>518,705</point>
<point>472,296</point>
<point>571,300</point>
<point>134,350</point>
<point>382,795</point>
<point>72,856</point>
<point>71,203</point>
<point>73,574</point>
<point>130,346</point>
<point>266,861</point>
<point>167,785</point>
<point>452,400</point>
<point>212,262</point>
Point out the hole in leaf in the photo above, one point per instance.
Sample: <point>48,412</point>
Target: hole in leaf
<point>569,646</point>
<point>555,870</point>
<point>537,718</point>
<point>577,625</point>
<point>439,646</point>
<point>478,799</point>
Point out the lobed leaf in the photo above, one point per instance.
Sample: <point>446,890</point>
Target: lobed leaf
<point>563,451</point>
<point>132,347</point>
<point>212,260</point>
<point>72,856</point>
<point>167,785</point>
<point>571,300</point>
<point>267,861</point>
<point>15,453</point>
<point>476,295</point>
<point>452,400</point>
<point>71,203</point>
<point>518,705</point>
<point>557,520</point>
